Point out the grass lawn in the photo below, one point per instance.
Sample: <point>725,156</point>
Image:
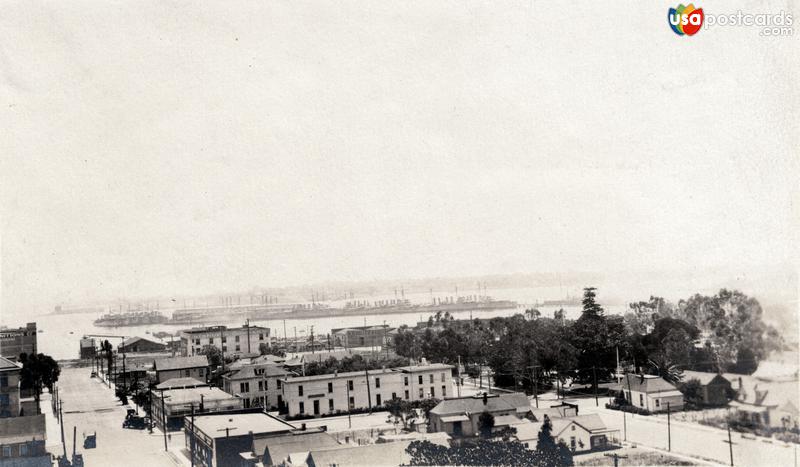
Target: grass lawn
<point>634,457</point>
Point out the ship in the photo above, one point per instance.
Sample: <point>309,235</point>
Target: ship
<point>261,312</point>
<point>131,318</point>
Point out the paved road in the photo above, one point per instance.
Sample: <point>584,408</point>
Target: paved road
<point>91,406</point>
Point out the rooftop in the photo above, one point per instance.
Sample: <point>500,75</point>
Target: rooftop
<point>371,454</point>
<point>6,364</point>
<point>179,363</point>
<point>181,383</point>
<point>474,404</point>
<point>215,426</point>
<point>135,339</point>
<point>279,447</point>
<point>206,329</point>
<point>249,371</point>
<point>346,374</point>
<point>701,376</point>
<point>192,395</point>
<point>646,383</point>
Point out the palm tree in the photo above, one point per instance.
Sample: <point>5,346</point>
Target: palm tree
<point>666,369</point>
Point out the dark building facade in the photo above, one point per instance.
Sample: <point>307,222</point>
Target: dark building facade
<point>16,341</point>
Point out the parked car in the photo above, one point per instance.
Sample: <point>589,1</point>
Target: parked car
<point>134,422</point>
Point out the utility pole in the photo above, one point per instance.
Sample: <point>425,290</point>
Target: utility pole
<point>369,394</point>
<point>669,433</point>
<point>535,376</point>
<point>285,339</point>
<point>164,421</point>
<point>616,458</point>
<point>347,387</point>
<point>150,408</point>
<point>248,335</point>
<point>61,422</point>
<point>730,445</point>
<point>458,382</point>
<point>192,439</point>
<point>594,375</point>
<point>624,426</point>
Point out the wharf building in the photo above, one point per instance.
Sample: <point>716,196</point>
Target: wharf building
<point>232,341</point>
<point>360,390</point>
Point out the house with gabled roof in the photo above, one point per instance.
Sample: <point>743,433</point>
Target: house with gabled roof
<point>581,433</point>
<point>459,416</point>
<point>651,393</point>
<point>714,387</point>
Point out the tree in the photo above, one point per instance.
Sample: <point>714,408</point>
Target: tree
<point>213,353</point>
<point>38,371</point>
<point>486,424</point>
<point>402,411</point>
<point>692,393</point>
<point>472,452</point>
<point>594,340</point>
<point>733,322</point>
<point>533,313</point>
<point>666,369</point>
<point>548,452</point>
<point>265,349</point>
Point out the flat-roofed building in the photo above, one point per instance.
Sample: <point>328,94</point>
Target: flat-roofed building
<point>170,406</point>
<point>356,390</point>
<point>232,341</point>
<point>228,439</point>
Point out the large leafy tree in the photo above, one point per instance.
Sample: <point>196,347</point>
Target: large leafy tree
<point>734,325</point>
<point>38,371</point>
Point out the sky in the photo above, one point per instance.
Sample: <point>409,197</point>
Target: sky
<point>157,147</point>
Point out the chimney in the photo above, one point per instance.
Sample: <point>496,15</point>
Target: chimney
<point>302,427</point>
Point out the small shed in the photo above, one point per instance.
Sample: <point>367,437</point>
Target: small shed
<point>715,387</point>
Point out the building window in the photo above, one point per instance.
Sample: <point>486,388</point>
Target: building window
<point>188,373</point>
<point>573,427</point>
<point>394,395</point>
<point>377,382</point>
<point>211,340</point>
<point>224,348</point>
<point>197,342</point>
<point>6,451</point>
<point>237,338</point>
<point>237,348</point>
<point>352,402</point>
<point>330,405</point>
<point>658,404</point>
<point>350,384</point>
<point>407,396</point>
<point>260,385</point>
<point>444,391</point>
<point>224,339</point>
<point>200,372</point>
<point>244,387</point>
<point>420,379</point>
<point>302,407</point>
<point>377,399</point>
<point>23,450</point>
<point>3,381</point>
<point>641,400</point>
<point>443,377</point>
<point>279,384</point>
<point>431,378</point>
<point>433,391</point>
<point>330,388</point>
<point>405,380</point>
<point>261,336</point>
<point>300,390</point>
<point>421,393</point>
